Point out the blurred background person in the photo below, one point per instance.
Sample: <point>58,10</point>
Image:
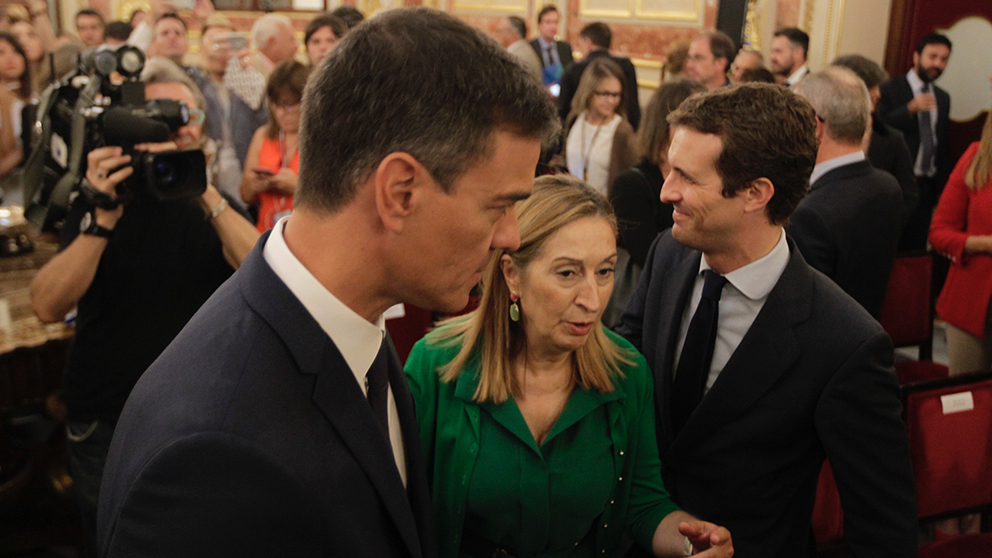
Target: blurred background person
<point>678,53</point>
<point>231,123</point>
<point>514,396</point>
<point>15,94</point>
<point>90,27</point>
<point>117,33</point>
<point>273,163</point>
<point>709,59</point>
<point>745,60</point>
<point>512,34</point>
<point>14,68</point>
<point>349,15</point>
<point>787,57</point>
<point>321,36</point>
<point>962,230</point>
<point>760,75</point>
<point>554,55</point>
<point>599,142</point>
<point>37,38</point>
<point>636,194</point>
<point>887,149</point>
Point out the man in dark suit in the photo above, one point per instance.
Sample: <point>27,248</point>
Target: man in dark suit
<point>848,226</point>
<point>279,422</point>
<point>914,105</point>
<point>555,55</point>
<point>594,42</point>
<point>763,367</point>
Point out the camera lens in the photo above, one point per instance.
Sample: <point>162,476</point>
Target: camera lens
<point>166,175</point>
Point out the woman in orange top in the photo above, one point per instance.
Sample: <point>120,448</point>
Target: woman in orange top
<point>272,165</point>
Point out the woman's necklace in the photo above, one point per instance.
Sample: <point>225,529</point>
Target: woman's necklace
<point>587,152</point>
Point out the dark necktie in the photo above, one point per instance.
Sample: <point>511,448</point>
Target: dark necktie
<point>926,138</point>
<point>377,384</point>
<point>547,53</point>
<point>697,351</point>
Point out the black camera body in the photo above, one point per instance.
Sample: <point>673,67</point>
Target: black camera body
<point>102,104</point>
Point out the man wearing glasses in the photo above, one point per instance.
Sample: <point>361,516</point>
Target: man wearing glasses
<point>136,274</point>
<point>709,59</point>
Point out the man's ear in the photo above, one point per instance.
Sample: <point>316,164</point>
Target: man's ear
<point>757,194</point>
<point>399,183</point>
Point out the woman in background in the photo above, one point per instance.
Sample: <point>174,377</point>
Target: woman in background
<point>322,35</point>
<point>537,424</point>
<point>962,230</point>
<point>636,193</point>
<point>600,141</point>
<point>273,162</point>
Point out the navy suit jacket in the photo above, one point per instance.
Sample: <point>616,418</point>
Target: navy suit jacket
<point>896,94</point>
<point>812,378</point>
<point>249,436</point>
<point>573,74</point>
<point>564,52</point>
<point>848,228</point>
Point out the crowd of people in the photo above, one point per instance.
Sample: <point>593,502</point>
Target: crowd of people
<point>687,308</point>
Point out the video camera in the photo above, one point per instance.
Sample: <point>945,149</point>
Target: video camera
<point>102,103</point>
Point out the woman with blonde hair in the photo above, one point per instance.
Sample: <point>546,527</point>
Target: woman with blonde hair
<point>599,142</point>
<point>511,397</point>
<point>962,230</point>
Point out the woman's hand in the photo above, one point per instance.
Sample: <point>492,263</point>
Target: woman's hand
<point>283,182</point>
<point>707,539</point>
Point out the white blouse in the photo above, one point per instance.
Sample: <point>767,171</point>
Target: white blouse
<point>588,149</point>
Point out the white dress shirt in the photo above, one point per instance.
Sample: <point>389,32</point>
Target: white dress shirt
<point>797,75</point>
<point>357,339</point>
<point>742,298</point>
<point>835,163</point>
<point>916,85</point>
<point>588,150</point>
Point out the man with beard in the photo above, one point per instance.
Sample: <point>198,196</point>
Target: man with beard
<point>788,55</point>
<point>913,104</point>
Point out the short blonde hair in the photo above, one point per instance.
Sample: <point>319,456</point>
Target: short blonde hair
<point>489,335</point>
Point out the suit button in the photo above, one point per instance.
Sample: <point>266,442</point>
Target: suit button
<point>621,452</point>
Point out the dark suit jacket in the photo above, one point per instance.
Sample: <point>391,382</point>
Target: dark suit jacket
<point>888,152</point>
<point>848,228</point>
<point>573,74</point>
<point>249,436</point>
<point>812,378</point>
<point>896,94</point>
<point>564,52</point>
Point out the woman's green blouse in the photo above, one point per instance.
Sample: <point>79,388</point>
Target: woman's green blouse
<point>569,477</point>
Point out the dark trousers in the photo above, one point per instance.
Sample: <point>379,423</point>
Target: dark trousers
<point>917,229</point>
<point>88,445</point>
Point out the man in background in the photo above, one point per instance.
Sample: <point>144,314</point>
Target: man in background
<point>788,55</point>
<point>90,27</point>
<point>555,55</point>
<point>709,59</point>
<point>512,32</point>
<point>917,107</point>
<point>594,42</point>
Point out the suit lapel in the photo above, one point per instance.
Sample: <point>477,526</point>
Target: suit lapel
<point>767,351</point>
<point>675,292</point>
<point>336,394</point>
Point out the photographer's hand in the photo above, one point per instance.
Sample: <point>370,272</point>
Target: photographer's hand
<point>58,286</point>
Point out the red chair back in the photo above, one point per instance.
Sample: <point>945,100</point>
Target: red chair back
<point>828,517</point>
<point>907,312</point>
<point>950,435</point>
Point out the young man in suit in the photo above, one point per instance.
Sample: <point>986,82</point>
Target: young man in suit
<point>763,367</point>
<point>848,226</point>
<point>555,55</point>
<point>279,422</point>
<point>914,105</point>
<point>787,57</point>
<point>594,41</point>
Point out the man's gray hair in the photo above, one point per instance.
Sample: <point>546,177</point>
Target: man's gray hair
<point>268,26</point>
<point>840,100</point>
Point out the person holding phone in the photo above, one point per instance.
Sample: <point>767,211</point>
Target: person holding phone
<point>272,165</point>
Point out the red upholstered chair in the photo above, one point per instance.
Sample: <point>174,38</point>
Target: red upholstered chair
<point>907,316</point>
<point>949,423</point>
<point>828,517</point>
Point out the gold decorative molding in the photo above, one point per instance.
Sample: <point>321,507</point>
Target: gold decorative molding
<point>752,26</point>
<point>646,63</point>
<point>683,16</point>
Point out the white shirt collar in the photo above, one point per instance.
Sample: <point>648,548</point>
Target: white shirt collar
<point>837,162</point>
<point>756,279</point>
<point>797,75</point>
<point>357,339</point>
<point>915,83</point>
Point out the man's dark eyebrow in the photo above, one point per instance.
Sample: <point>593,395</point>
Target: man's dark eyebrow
<point>512,197</point>
<point>681,171</point>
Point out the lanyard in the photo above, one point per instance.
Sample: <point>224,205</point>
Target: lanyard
<point>586,152</point>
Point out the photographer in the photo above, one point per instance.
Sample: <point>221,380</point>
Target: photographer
<point>137,273</point>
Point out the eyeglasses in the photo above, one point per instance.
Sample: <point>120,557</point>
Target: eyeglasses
<point>196,117</point>
<point>610,94</point>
